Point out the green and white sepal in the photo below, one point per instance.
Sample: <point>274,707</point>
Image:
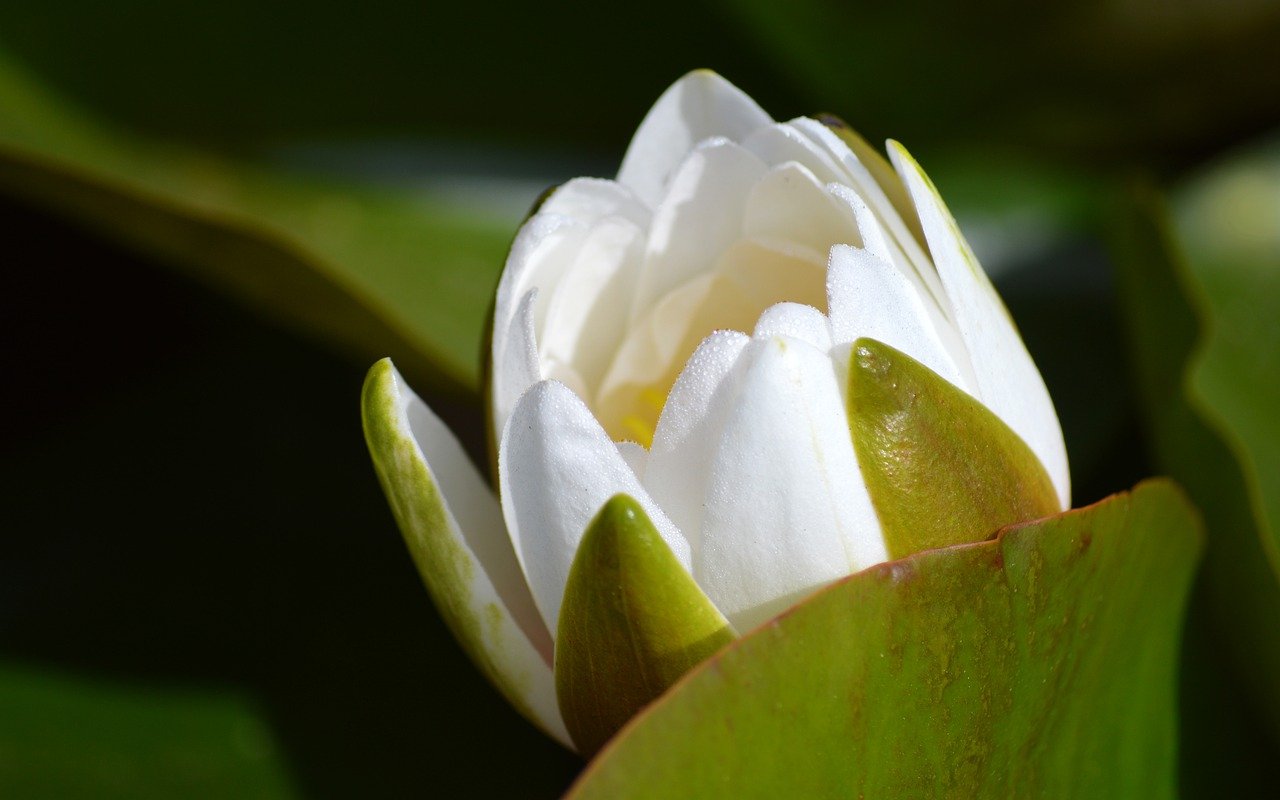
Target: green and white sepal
<point>460,546</point>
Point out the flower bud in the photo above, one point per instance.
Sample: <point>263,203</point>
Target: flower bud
<point>759,360</point>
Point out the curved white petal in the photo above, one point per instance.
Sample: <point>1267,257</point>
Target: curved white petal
<point>859,177</point>
<point>636,457</point>
<point>1007,379</point>
<point>515,368</point>
<point>789,205</point>
<point>870,298</point>
<point>786,508</point>
<point>699,106</point>
<point>585,326</point>
<point>561,372</point>
<point>878,166</point>
<point>750,277</point>
<point>543,249</point>
<point>688,431</point>
<point>796,321</point>
<point>453,527</point>
<point>698,218</point>
<point>875,238</point>
<point>781,142</point>
<point>590,199</point>
<point>556,468</point>
<point>871,233</point>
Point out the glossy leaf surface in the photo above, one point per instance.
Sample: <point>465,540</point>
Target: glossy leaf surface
<point>1040,663</point>
<point>941,468</point>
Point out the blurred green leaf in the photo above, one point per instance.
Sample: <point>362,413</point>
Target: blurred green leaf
<point>1168,316</point>
<point>378,271</point>
<point>1041,663</point>
<point>68,738</point>
<point>1229,222</point>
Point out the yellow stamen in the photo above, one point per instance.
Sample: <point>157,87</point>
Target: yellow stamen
<point>640,430</point>
<point>647,407</point>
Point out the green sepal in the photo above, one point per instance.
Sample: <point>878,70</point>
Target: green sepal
<point>499,631</point>
<point>940,467</point>
<point>632,623</point>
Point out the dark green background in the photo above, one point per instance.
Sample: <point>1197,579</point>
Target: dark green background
<point>188,515</point>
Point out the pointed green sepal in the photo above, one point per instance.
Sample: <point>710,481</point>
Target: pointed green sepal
<point>941,468</point>
<point>633,622</point>
<point>460,550</point>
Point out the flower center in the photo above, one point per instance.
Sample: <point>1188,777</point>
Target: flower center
<point>750,277</point>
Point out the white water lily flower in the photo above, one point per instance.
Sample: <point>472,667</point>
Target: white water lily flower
<point>682,335</point>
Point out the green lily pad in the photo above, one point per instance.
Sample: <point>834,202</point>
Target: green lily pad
<point>632,623</point>
<point>940,467</point>
<point>379,272</point>
<point>1169,319</point>
<point>1038,664</point>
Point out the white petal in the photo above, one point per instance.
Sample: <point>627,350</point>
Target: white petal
<point>750,277</point>
<point>1007,379</point>
<point>516,367</point>
<point>786,509</point>
<point>688,432</point>
<point>556,468</point>
<point>454,530</point>
<point>870,298</point>
<point>699,106</point>
<point>872,193</point>
<point>877,165</point>
<point>591,199</point>
<point>543,249</point>
<point>584,327</point>
<point>877,240</point>
<point>698,218</point>
<point>781,142</point>
<point>789,204</point>
<point>556,370</point>
<point>796,321</point>
<point>884,248</point>
<point>636,457</point>
<point>870,231</point>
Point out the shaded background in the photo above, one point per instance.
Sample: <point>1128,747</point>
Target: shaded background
<point>202,592</point>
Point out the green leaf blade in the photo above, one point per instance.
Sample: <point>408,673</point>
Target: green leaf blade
<point>1040,663</point>
<point>373,271</point>
<point>1239,594</point>
<point>1227,226</point>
